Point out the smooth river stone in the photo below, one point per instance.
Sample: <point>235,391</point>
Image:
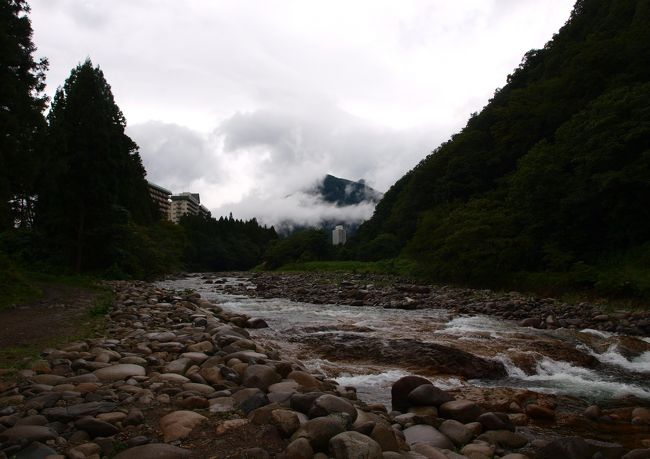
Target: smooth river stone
<point>154,451</point>
<point>30,433</point>
<point>427,435</point>
<point>120,371</point>
<point>179,424</point>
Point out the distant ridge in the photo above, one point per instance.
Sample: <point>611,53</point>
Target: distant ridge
<point>343,192</point>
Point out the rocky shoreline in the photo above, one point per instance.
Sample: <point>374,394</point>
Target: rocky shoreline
<point>399,293</point>
<point>177,376</point>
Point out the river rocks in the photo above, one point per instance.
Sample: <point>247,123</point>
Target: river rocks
<point>539,412</point>
<point>435,357</point>
<point>286,421</point>
<point>96,428</point>
<point>299,449</point>
<point>260,376</point>
<point>428,435</point>
<point>330,404</point>
<point>29,433</point>
<point>119,371</point>
<point>402,388</point>
<point>496,421</point>
<point>319,431</point>
<point>641,416</point>
<point>249,399</point>
<point>456,432</point>
<point>169,358</point>
<point>179,424</point>
<point>352,444</point>
<point>154,451</point>
<point>504,438</point>
<point>428,395</point>
<point>461,410</point>
<point>307,381</point>
<point>36,450</point>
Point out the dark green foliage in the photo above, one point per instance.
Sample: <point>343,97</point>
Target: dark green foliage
<point>302,246</point>
<point>22,80</point>
<point>14,286</point>
<point>143,252</point>
<point>224,244</point>
<point>552,175</point>
<point>96,183</point>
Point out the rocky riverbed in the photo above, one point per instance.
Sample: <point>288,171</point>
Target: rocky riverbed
<point>178,375</point>
<point>398,293</point>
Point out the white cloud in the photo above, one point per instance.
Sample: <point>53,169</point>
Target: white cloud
<point>246,101</point>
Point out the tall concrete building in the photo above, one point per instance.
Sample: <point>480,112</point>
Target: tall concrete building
<point>339,236</point>
<point>162,197</point>
<point>187,204</point>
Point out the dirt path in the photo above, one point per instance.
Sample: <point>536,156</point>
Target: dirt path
<point>59,312</point>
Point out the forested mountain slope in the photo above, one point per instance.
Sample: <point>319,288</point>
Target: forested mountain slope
<point>552,175</point>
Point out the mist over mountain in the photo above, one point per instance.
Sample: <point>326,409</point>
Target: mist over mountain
<point>329,202</point>
<point>343,192</point>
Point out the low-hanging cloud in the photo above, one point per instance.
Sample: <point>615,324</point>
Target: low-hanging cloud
<point>261,163</point>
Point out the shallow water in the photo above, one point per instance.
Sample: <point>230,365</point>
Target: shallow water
<point>549,361</point>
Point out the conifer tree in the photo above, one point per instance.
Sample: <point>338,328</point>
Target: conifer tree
<point>22,80</point>
<point>97,180</point>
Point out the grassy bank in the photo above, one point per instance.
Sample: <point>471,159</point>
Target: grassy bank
<point>613,286</point>
<point>397,267</point>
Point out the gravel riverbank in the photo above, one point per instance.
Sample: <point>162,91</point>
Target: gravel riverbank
<point>178,376</point>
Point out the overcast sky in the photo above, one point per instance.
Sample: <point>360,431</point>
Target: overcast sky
<point>249,101</point>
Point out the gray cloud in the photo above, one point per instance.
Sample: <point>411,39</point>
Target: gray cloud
<point>256,164</point>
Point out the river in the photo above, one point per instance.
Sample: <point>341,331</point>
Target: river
<point>590,365</point>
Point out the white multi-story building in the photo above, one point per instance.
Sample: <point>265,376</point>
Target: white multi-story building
<point>187,204</point>
<point>338,235</point>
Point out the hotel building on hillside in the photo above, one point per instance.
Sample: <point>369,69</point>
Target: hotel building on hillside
<point>162,198</point>
<point>187,204</point>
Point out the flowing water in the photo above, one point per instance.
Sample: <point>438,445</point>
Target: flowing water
<point>589,364</point>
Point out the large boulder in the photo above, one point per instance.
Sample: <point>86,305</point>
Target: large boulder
<point>353,445</point>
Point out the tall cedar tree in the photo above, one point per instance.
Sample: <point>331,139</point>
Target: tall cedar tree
<point>97,181</point>
<point>22,80</point>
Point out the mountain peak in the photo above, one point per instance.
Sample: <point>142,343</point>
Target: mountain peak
<point>344,192</point>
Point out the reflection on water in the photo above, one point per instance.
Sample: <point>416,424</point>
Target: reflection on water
<point>541,360</point>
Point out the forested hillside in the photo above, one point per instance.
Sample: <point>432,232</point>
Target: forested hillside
<point>553,175</point>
